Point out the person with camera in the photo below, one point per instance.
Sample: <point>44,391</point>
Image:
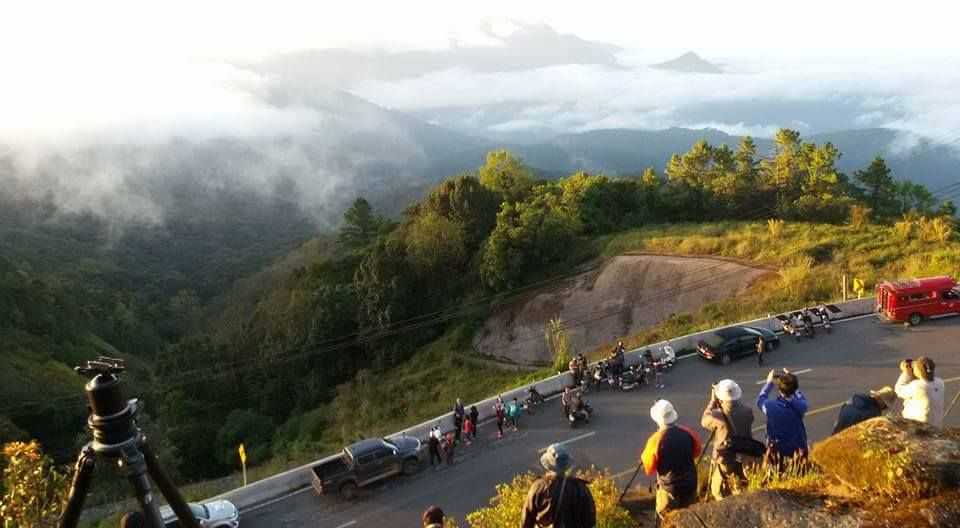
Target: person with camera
<point>786,432</point>
<point>671,453</point>
<point>734,446</point>
<point>558,499</point>
<point>862,407</point>
<point>921,391</point>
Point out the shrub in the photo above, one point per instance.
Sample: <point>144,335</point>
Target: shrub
<point>859,216</point>
<point>559,343</point>
<point>35,491</point>
<point>506,507</point>
<point>775,228</point>
<point>936,229</point>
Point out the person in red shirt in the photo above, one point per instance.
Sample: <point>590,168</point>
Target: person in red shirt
<point>468,430</point>
<point>671,453</point>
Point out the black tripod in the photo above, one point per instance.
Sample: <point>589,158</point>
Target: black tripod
<point>116,436</point>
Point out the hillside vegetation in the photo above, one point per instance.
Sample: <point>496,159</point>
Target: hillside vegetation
<point>329,349</point>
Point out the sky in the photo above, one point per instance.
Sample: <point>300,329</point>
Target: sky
<point>109,69</point>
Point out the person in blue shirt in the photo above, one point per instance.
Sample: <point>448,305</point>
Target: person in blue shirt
<point>786,434</point>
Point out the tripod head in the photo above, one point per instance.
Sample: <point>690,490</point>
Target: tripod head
<point>112,417</point>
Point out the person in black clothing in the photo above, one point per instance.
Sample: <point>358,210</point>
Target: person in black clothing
<point>671,454</point>
<point>862,407</point>
<point>434,445</point>
<point>458,414</point>
<point>475,418</point>
<point>558,499</point>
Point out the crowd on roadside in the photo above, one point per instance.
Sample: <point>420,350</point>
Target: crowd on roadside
<point>672,453</point>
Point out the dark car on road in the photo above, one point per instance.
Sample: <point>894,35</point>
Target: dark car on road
<point>726,344</point>
<point>365,462</point>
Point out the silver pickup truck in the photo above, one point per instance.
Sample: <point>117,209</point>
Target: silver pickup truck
<point>365,462</point>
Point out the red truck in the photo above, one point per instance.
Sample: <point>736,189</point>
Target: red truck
<point>914,300</point>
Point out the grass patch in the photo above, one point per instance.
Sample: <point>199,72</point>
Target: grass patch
<point>810,259</point>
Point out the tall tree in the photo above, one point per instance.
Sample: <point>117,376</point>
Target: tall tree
<point>360,225</point>
<point>505,174</point>
<point>880,188</point>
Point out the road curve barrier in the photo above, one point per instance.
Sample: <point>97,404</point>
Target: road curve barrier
<point>268,489</point>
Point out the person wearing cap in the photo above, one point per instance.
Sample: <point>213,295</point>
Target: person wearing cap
<point>432,517</point>
<point>786,433</point>
<point>921,391</point>
<point>861,407</point>
<point>727,417</point>
<point>671,453</point>
<point>558,499</point>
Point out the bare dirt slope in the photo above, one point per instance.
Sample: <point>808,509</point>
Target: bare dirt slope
<point>625,295</point>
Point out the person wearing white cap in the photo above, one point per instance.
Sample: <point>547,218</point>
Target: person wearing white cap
<point>727,417</point>
<point>558,499</point>
<point>671,453</point>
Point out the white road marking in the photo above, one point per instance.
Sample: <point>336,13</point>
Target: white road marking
<point>802,371</point>
<point>685,356</point>
<point>344,525</point>
<point>570,441</point>
<point>276,500</point>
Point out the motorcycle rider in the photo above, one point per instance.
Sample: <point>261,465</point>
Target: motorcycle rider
<point>566,400</point>
<point>575,371</point>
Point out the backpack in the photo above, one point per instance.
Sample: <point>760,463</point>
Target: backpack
<point>739,445</point>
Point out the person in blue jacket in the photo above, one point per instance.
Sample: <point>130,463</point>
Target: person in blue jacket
<point>786,433</point>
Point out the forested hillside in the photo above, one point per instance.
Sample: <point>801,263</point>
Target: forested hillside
<point>273,354</point>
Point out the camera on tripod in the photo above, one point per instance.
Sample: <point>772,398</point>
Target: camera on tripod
<point>112,422</point>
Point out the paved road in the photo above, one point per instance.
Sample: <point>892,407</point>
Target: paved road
<point>860,354</point>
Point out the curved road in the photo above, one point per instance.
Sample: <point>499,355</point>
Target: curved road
<point>862,353</point>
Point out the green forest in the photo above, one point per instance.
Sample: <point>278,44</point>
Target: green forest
<point>253,326</point>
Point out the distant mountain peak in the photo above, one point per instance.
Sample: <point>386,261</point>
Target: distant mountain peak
<point>689,62</point>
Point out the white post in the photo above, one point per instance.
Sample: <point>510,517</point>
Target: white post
<point>843,283</point>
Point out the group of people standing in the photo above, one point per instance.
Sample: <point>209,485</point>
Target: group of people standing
<point>672,452</point>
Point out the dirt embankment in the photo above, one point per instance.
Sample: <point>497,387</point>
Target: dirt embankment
<point>624,296</point>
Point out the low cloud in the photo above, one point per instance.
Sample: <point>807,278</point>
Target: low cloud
<point>915,98</point>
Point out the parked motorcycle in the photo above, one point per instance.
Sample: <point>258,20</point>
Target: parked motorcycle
<point>825,319</point>
<point>534,399</point>
<point>580,413</point>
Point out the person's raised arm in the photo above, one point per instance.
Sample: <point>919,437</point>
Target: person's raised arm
<point>765,393</point>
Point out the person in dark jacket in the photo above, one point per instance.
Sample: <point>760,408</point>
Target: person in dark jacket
<point>671,453</point>
<point>475,418</point>
<point>786,433</point>
<point>434,445</point>
<point>728,418</point>
<point>761,348</point>
<point>458,414</point>
<point>862,407</point>
<point>558,499</point>
<point>432,517</point>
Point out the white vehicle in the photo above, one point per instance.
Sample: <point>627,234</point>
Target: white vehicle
<point>213,514</point>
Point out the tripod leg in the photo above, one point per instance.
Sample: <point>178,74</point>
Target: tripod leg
<point>136,466</point>
<point>172,494</point>
<point>82,476</point>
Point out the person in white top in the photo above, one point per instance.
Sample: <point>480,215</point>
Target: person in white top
<point>922,393</point>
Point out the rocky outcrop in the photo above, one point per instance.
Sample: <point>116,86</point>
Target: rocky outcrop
<point>892,457</point>
<point>885,472</point>
<point>769,509</point>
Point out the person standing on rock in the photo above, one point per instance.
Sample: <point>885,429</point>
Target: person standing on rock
<point>728,418</point>
<point>862,407</point>
<point>557,499</point>
<point>671,454</point>
<point>786,433</point>
<point>921,391</point>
